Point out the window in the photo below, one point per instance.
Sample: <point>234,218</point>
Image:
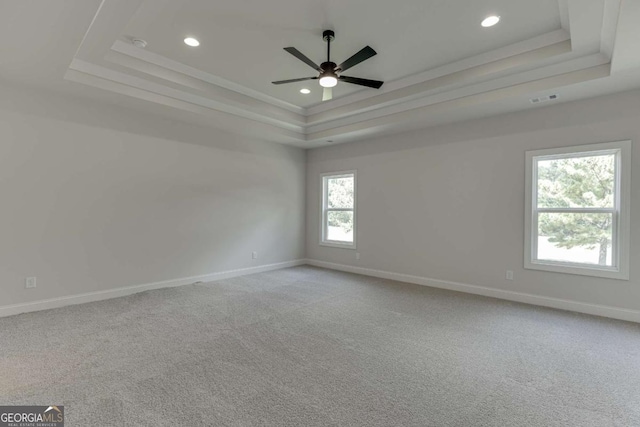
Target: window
<point>577,210</point>
<point>339,210</point>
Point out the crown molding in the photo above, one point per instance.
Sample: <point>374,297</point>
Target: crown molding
<point>149,86</point>
<point>178,67</point>
<point>225,121</point>
<point>444,105</point>
<point>535,44</point>
<point>445,82</point>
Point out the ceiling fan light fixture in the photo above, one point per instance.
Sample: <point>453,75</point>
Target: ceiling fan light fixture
<point>328,81</point>
<point>490,21</point>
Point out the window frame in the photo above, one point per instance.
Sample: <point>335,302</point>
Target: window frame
<point>620,211</point>
<point>324,209</point>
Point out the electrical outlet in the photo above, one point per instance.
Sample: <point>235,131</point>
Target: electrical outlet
<point>30,282</point>
<point>509,275</point>
<point>254,255</point>
<point>357,255</point>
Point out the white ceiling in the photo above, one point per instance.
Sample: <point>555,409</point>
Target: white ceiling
<point>438,64</point>
<point>38,39</point>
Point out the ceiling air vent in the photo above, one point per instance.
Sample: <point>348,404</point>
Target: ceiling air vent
<point>542,99</point>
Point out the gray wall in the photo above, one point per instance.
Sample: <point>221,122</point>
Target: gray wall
<point>448,203</point>
<point>97,197</point>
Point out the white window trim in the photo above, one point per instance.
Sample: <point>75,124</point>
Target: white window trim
<point>323,211</point>
<point>622,225</point>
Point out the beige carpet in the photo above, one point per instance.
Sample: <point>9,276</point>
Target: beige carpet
<point>312,347</point>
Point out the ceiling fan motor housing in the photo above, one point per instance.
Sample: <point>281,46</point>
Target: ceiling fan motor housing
<point>328,69</point>
<point>328,36</point>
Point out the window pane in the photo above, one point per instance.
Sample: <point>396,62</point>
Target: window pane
<point>340,192</point>
<point>576,237</point>
<point>340,226</point>
<point>584,182</point>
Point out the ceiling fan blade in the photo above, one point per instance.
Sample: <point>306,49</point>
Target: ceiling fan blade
<point>295,52</point>
<point>363,55</point>
<point>362,82</point>
<point>281,82</point>
<point>327,94</point>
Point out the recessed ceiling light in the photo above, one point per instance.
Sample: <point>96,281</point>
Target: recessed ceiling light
<point>490,21</point>
<point>190,41</point>
<point>305,91</point>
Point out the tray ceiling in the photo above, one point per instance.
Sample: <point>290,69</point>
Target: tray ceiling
<point>439,65</point>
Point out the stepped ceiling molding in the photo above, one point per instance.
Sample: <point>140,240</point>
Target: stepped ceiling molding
<point>439,65</point>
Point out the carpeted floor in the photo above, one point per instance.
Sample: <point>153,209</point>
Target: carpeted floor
<point>312,347</point>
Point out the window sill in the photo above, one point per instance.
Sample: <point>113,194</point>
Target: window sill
<point>605,272</point>
<point>338,245</point>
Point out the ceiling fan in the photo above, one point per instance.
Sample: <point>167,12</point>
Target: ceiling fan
<point>330,73</point>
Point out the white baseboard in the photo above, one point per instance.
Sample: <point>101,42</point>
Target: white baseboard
<point>9,310</point>
<point>563,304</point>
